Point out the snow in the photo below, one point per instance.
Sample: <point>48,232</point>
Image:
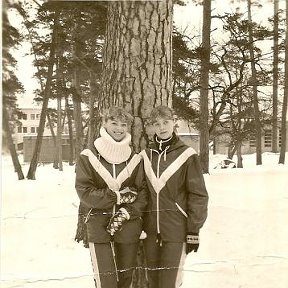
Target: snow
<point>243,242</point>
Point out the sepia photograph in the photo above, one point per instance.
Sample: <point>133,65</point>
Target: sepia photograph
<point>144,144</point>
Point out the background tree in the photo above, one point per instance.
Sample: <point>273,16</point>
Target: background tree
<point>10,83</point>
<point>254,83</point>
<point>285,98</point>
<point>72,75</point>
<point>275,77</point>
<point>37,148</point>
<point>204,85</point>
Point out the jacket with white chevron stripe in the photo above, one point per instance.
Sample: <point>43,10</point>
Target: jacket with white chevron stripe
<point>178,198</point>
<point>96,179</point>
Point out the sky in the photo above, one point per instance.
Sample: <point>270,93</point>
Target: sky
<point>243,243</point>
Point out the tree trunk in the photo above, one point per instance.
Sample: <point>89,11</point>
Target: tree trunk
<point>59,134</point>
<point>138,60</point>
<point>137,70</point>
<point>239,155</point>
<point>285,99</point>
<point>55,162</point>
<point>11,146</point>
<point>77,100</point>
<point>204,83</point>
<point>37,148</point>
<point>255,92</point>
<point>70,129</point>
<point>275,79</point>
<point>94,117</point>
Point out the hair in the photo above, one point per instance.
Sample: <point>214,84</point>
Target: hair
<point>162,112</point>
<point>117,113</point>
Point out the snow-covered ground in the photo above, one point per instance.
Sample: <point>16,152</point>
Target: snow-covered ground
<point>244,242</point>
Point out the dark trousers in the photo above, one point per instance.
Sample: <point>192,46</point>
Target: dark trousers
<point>164,263</point>
<point>113,264</point>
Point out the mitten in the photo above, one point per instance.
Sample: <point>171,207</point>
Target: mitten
<point>127,195</point>
<point>117,220</point>
<point>192,242</point>
<point>81,232</point>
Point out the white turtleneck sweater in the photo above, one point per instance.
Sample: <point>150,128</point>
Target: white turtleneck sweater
<point>112,151</point>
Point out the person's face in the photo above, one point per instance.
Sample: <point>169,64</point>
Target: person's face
<point>163,127</point>
<point>117,129</point>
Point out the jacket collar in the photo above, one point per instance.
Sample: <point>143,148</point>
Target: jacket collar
<point>112,151</point>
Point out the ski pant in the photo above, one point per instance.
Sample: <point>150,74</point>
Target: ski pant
<point>164,263</point>
<point>113,264</point>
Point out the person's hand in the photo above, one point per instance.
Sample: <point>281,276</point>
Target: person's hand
<point>128,195</point>
<point>192,242</point>
<point>117,220</point>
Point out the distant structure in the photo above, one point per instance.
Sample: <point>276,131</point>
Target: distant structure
<point>25,134</point>
<point>28,123</point>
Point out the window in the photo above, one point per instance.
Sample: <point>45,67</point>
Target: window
<point>19,129</point>
<point>32,116</point>
<point>252,141</point>
<point>268,138</point>
<point>37,129</point>
<point>24,129</point>
<point>32,129</point>
<point>37,116</point>
<point>24,116</point>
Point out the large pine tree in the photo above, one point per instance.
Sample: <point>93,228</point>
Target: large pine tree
<point>138,60</point>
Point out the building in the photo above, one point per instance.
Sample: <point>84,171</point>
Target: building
<point>25,135</point>
<point>221,143</point>
<point>47,153</point>
<point>28,125</point>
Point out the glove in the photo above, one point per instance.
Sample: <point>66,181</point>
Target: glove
<point>127,195</point>
<point>192,242</point>
<point>117,220</point>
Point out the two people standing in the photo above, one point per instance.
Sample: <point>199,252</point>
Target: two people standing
<point>163,185</point>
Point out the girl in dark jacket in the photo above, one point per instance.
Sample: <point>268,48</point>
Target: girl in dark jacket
<point>110,184</point>
<point>177,205</point>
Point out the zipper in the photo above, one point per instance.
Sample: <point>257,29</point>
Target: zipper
<point>158,193</point>
<point>114,176</point>
<point>181,210</point>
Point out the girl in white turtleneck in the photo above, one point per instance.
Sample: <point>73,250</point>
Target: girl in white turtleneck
<point>110,184</point>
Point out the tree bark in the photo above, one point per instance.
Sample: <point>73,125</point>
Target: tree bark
<point>285,99</point>
<point>255,92</point>
<point>275,79</point>
<point>37,148</point>
<point>11,146</point>
<point>138,60</point>
<point>204,84</point>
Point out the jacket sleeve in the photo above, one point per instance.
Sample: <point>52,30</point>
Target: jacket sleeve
<point>137,208</point>
<point>197,200</point>
<point>86,187</point>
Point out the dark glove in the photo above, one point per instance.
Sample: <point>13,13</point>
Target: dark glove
<point>117,220</point>
<point>127,195</point>
<point>81,232</point>
<point>192,242</point>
